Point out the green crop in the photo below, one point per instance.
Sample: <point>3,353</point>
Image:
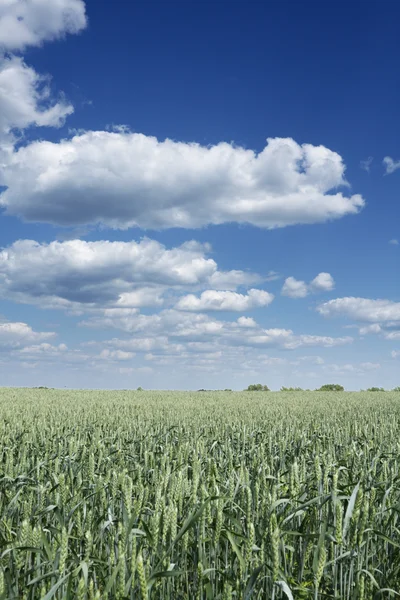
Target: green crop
<point>171,496</point>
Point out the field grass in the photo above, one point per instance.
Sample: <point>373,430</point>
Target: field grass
<point>134,495</point>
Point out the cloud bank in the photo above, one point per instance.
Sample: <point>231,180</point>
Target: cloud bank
<point>177,327</point>
<point>80,274</point>
<point>122,180</point>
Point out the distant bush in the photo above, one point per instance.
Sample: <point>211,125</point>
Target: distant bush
<point>291,389</point>
<point>139,389</point>
<point>396,389</point>
<point>257,387</point>
<point>331,387</point>
<point>375,389</point>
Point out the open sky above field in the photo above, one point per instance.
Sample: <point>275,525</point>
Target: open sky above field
<point>199,194</point>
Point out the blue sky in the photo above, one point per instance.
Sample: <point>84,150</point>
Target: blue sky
<point>199,194</point>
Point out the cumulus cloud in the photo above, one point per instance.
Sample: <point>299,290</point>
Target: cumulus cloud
<point>25,95</point>
<point>246,322</point>
<point>31,22</point>
<point>390,165</point>
<point>15,335</point>
<point>225,300</point>
<point>25,99</point>
<point>295,288</point>
<point>122,180</point>
<point>395,353</point>
<point>323,282</point>
<point>361,309</point>
<point>120,276</point>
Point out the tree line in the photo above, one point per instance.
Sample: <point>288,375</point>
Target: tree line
<point>328,387</point>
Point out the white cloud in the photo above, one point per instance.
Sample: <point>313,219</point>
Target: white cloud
<point>225,300</point>
<point>392,335</point>
<point>176,327</point>
<point>146,296</point>
<point>116,355</point>
<point>361,309</point>
<point>390,165</point>
<point>365,165</point>
<point>230,280</point>
<point>145,344</point>
<point>15,335</point>
<point>25,95</point>
<point>77,274</point>
<point>341,370</point>
<point>315,360</point>
<point>315,340</point>
<point>394,242</point>
<point>389,330</point>
<point>124,180</point>
<point>295,288</point>
<point>323,282</point>
<point>395,353</point>
<point>369,366</point>
<point>172,341</point>
<point>374,328</point>
<point>25,99</point>
<point>31,22</point>
<point>246,322</point>
<point>355,369</point>
<point>50,356</point>
<point>44,348</point>
<point>138,371</point>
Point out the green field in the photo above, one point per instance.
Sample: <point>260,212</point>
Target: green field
<point>169,495</point>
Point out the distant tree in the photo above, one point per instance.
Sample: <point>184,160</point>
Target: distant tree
<point>331,387</point>
<point>396,389</point>
<point>257,387</point>
<point>139,389</point>
<point>291,389</point>
<point>227,390</point>
<point>375,389</point>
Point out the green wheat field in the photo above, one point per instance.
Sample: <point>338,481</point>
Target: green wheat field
<point>189,495</point>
